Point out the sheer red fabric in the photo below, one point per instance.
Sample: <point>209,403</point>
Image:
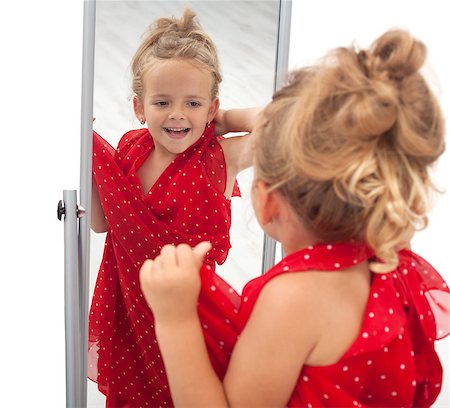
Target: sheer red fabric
<point>393,362</point>
<point>186,204</point>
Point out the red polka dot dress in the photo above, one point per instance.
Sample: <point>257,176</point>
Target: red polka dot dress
<point>185,205</point>
<point>392,363</point>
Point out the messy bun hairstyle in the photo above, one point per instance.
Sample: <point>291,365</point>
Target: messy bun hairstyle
<point>169,38</point>
<point>348,143</point>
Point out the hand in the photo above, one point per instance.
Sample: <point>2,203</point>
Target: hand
<point>171,283</point>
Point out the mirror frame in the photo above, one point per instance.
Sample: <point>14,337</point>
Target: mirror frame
<point>76,357</point>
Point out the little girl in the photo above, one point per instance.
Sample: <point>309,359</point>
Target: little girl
<point>168,183</point>
<point>349,317</point>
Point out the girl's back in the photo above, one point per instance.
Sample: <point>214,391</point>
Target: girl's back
<point>370,339</point>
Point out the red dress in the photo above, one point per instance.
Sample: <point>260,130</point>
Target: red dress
<point>186,204</point>
<point>392,363</point>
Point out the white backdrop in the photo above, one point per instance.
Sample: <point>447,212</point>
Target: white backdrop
<point>40,125</point>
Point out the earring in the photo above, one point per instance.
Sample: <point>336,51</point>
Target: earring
<point>142,121</point>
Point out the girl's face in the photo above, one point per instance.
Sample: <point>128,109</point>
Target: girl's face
<point>176,103</point>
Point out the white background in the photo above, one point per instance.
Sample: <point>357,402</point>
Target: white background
<point>41,45</point>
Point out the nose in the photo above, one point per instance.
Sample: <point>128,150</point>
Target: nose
<point>177,113</point>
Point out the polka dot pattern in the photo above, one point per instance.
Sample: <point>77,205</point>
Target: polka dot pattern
<point>124,357</point>
<point>392,362</point>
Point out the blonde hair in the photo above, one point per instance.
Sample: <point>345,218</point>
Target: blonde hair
<point>349,142</point>
<point>169,38</point>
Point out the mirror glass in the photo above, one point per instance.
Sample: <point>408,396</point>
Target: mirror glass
<point>245,33</point>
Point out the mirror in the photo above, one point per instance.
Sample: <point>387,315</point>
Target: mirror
<point>246,36</point>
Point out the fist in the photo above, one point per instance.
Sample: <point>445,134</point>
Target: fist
<point>171,282</point>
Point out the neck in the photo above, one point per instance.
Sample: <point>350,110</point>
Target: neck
<point>292,233</point>
<point>293,245</point>
<point>162,155</point>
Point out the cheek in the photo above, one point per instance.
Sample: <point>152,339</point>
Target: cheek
<point>155,114</point>
<point>257,209</point>
<point>202,115</point>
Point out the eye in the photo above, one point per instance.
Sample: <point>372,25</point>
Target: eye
<point>161,103</point>
<point>194,104</point>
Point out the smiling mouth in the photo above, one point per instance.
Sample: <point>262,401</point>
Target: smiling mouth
<point>177,133</point>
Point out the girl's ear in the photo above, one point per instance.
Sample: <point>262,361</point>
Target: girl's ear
<point>268,203</point>
<point>213,109</point>
<point>138,108</point>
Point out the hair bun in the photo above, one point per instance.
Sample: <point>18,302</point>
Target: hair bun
<point>397,53</point>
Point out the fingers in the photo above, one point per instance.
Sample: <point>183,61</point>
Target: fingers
<point>201,250</point>
<point>187,256</point>
<point>147,266</point>
<point>145,272</point>
<point>168,257</point>
<point>172,257</point>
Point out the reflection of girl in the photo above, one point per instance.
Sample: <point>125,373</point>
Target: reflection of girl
<point>348,317</point>
<point>165,184</point>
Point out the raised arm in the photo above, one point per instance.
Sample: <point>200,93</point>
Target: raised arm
<point>237,150</point>
<point>235,120</point>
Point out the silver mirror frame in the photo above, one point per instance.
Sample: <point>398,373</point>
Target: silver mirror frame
<point>77,289</point>
<point>281,70</point>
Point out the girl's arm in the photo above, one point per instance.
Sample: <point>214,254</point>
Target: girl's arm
<point>271,350</point>
<point>235,120</point>
<point>98,220</point>
<point>267,358</point>
<point>192,380</point>
<point>171,285</point>
<point>238,150</point>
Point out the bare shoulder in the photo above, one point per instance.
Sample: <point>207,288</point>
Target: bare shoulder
<point>299,296</point>
<point>291,303</point>
<point>321,302</point>
<point>294,288</point>
<point>313,282</point>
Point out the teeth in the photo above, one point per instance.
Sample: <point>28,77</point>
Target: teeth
<point>176,129</point>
